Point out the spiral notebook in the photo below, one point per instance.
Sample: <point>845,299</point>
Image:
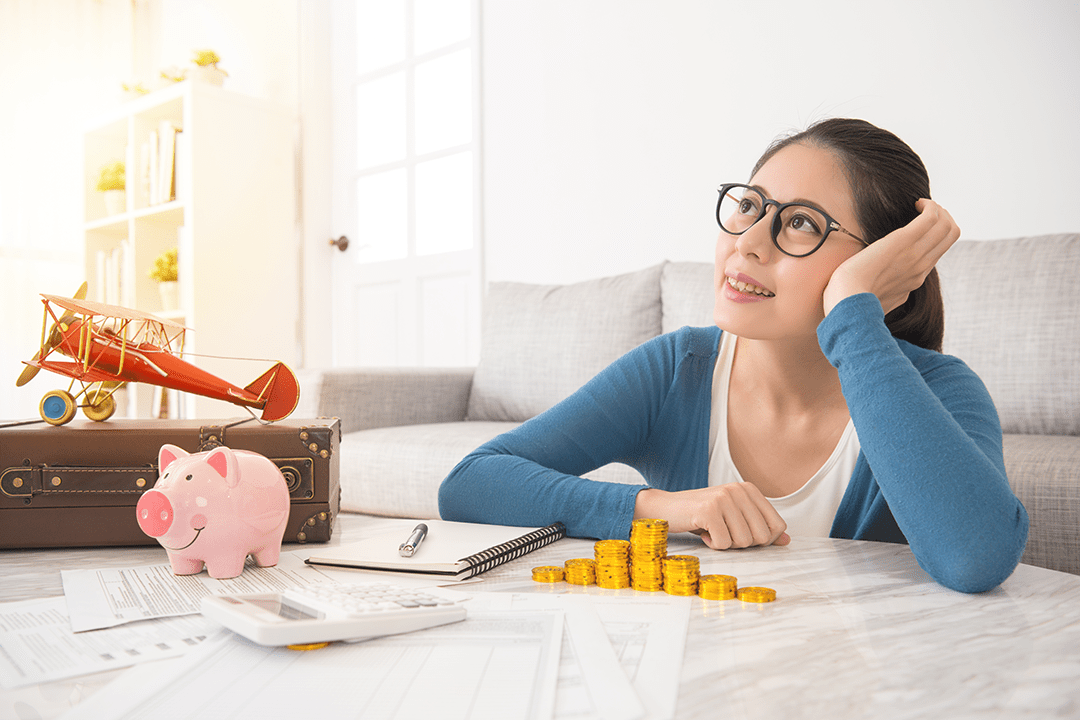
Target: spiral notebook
<point>451,550</point>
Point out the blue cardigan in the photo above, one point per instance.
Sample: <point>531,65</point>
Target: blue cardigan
<point>930,471</point>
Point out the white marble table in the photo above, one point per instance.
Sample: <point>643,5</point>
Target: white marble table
<point>858,631</point>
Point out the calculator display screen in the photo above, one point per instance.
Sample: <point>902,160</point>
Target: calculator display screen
<point>285,609</point>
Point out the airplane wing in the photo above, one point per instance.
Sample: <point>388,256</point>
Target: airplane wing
<point>90,307</point>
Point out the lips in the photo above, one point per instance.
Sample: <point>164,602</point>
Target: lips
<point>748,286</point>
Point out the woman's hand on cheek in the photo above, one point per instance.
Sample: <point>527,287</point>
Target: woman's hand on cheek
<point>734,515</point>
<point>898,263</point>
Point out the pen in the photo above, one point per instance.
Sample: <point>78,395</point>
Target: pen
<point>409,546</point>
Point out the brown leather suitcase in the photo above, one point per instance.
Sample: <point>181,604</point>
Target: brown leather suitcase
<point>77,485</point>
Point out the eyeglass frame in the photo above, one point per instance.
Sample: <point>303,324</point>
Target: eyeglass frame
<point>774,229</point>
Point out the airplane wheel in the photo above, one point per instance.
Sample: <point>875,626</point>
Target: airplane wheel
<point>101,410</point>
<point>57,407</point>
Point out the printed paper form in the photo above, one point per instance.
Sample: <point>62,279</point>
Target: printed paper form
<point>36,643</point>
<point>501,666</point>
<point>646,630</point>
<point>106,598</point>
<point>592,683</point>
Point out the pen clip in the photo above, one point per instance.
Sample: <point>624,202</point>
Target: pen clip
<point>407,548</point>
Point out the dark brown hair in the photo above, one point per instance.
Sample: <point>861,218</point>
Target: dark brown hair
<point>887,177</point>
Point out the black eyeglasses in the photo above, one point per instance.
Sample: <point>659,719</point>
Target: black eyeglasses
<point>797,230</point>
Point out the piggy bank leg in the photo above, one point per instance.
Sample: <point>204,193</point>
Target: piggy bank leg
<point>224,568</point>
<point>184,565</point>
<point>268,556</point>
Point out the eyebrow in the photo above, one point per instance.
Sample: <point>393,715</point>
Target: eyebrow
<point>797,201</point>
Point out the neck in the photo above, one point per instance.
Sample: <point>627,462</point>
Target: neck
<point>786,375</point>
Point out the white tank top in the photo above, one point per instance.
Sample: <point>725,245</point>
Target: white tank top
<point>810,510</point>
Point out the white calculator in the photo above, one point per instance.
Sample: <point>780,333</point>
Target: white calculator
<point>325,613</point>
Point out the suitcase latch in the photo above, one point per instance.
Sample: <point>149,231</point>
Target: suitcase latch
<point>19,481</point>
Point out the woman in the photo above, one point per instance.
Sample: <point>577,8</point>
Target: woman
<point>819,403</point>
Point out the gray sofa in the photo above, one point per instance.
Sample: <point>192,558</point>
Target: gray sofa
<point>1012,313</point>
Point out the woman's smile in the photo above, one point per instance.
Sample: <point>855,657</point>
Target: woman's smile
<point>744,289</point>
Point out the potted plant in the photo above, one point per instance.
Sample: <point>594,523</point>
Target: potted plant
<point>164,272</point>
<point>205,68</point>
<point>111,182</point>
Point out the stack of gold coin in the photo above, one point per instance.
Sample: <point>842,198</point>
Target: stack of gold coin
<point>580,571</point>
<point>648,548</point>
<point>612,564</point>
<point>548,574</point>
<point>681,573</point>
<point>717,587</point>
<point>757,594</point>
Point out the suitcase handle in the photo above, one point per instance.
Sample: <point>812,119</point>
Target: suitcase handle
<point>29,480</point>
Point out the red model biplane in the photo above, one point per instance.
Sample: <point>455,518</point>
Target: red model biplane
<point>110,345</point>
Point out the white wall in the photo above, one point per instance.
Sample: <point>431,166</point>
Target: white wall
<point>608,124</point>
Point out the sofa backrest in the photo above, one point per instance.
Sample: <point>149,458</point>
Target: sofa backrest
<point>540,343</point>
<point>1012,313</point>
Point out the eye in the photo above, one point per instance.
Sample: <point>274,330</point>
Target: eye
<point>188,477</point>
<point>804,224</point>
<point>747,206</point>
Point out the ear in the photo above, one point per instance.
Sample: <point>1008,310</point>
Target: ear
<point>223,462</point>
<point>167,455</point>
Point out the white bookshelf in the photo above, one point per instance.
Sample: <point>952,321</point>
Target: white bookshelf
<point>232,219</point>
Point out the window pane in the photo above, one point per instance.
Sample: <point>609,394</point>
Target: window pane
<point>444,102</point>
<point>382,216</point>
<point>444,204</point>
<point>438,23</point>
<point>380,121</point>
<point>380,34</point>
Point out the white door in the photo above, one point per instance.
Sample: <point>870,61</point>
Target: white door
<point>406,290</point>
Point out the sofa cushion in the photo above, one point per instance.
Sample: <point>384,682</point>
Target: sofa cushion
<point>1044,471</point>
<point>686,292</point>
<point>1018,329</point>
<point>540,343</point>
<point>396,471</point>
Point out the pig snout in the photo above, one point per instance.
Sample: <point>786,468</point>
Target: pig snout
<point>155,513</point>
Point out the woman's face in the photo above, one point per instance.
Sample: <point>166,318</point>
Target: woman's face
<point>787,300</point>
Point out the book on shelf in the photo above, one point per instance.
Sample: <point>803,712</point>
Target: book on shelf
<point>157,163</point>
<point>451,550</point>
<point>113,268</point>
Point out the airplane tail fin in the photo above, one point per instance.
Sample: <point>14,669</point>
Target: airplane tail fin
<point>280,390</point>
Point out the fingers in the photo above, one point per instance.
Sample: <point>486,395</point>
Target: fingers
<point>734,515</point>
<point>940,231</point>
<point>737,515</point>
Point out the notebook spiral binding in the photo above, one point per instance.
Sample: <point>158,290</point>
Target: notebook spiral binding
<point>492,557</point>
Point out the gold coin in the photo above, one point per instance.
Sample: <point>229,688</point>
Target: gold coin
<point>308,646</point>
<point>757,594</point>
<point>548,574</point>
<point>717,587</point>
<point>580,571</point>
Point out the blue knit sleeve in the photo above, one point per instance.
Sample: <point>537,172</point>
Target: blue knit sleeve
<point>931,437</point>
<point>632,413</point>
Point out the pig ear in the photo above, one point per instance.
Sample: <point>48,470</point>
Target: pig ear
<point>168,454</point>
<point>223,461</point>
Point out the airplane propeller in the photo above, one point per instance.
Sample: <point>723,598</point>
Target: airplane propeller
<point>52,339</point>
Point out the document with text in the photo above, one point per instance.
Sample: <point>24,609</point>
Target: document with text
<point>491,666</point>
<point>37,645</point>
<point>110,597</point>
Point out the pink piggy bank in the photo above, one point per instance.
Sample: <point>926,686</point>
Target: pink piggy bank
<point>216,508</point>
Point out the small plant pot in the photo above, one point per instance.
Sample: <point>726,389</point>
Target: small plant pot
<point>115,202</point>
<point>170,295</point>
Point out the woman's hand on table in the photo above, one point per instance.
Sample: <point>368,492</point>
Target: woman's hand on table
<point>734,515</point>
